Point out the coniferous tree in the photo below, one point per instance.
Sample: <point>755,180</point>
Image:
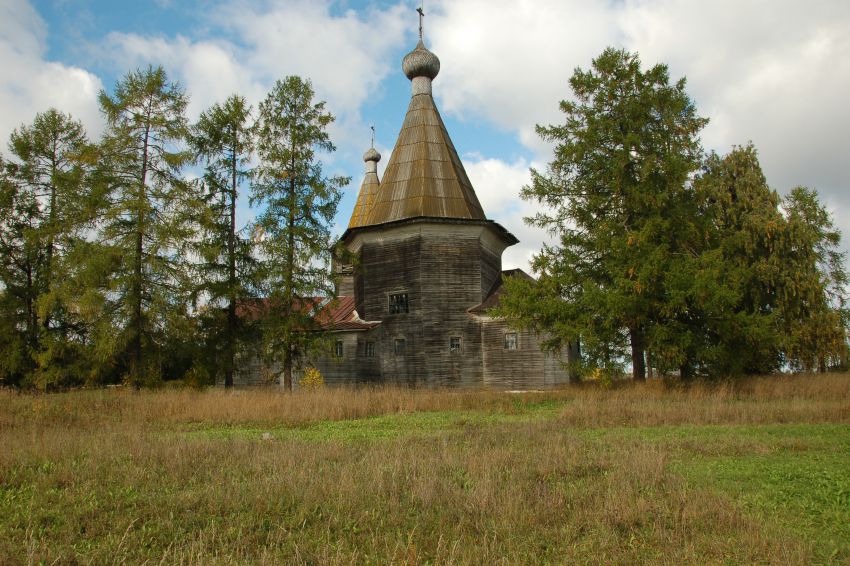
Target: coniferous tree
<point>735,291</point>
<point>46,209</point>
<point>814,290</point>
<point>146,220</point>
<point>223,140</point>
<point>300,204</point>
<point>616,196</point>
<point>19,330</point>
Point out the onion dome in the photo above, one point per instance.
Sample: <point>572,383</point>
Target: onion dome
<point>372,155</point>
<point>420,63</point>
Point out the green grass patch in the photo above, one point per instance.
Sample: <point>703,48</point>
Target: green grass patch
<point>385,427</point>
<point>792,476</point>
<point>798,479</point>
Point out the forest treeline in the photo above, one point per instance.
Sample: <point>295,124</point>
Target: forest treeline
<point>665,258</point>
<point>119,266</point>
<point>122,263</point>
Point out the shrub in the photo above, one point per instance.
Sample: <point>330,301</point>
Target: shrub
<point>312,379</point>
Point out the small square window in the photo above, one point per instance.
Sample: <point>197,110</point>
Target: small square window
<point>399,346</point>
<point>398,303</point>
<point>339,349</point>
<point>454,345</point>
<point>510,341</point>
<point>370,349</point>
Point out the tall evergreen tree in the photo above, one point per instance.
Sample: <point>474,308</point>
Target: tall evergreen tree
<point>735,291</point>
<point>223,139</point>
<point>814,290</point>
<point>300,204</point>
<point>45,209</point>
<point>147,217</point>
<point>616,196</point>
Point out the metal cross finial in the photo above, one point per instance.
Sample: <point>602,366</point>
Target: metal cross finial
<point>373,136</point>
<point>421,11</point>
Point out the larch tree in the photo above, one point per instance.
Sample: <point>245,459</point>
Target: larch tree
<point>147,218</point>
<point>735,293</point>
<point>46,207</point>
<point>299,203</point>
<point>616,196</point>
<point>814,289</point>
<point>223,139</point>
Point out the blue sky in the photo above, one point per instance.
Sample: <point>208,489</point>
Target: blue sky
<point>776,73</point>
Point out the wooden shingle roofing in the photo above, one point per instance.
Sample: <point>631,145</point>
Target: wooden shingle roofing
<point>424,176</point>
<point>368,191</point>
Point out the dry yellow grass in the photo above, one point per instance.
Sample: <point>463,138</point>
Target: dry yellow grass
<point>109,477</point>
<point>773,399</point>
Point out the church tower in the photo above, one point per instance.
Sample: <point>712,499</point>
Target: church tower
<point>425,253</point>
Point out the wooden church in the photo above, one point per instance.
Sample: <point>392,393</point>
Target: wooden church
<point>425,268</point>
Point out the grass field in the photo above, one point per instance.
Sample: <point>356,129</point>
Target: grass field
<point>753,472</point>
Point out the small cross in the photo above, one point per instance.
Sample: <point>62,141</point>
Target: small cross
<point>421,15</point>
<point>373,136</point>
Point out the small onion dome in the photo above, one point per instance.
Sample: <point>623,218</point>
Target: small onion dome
<point>420,63</point>
<point>372,155</point>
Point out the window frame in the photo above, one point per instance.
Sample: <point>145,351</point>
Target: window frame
<point>512,344</point>
<point>398,303</point>
<point>402,350</point>
<point>452,348</point>
<point>339,349</point>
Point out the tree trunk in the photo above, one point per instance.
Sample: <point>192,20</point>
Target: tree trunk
<point>573,359</point>
<point>638,341</point>
<point>289,280</point>
<point>287,370</point>
<point>230,361</point>
<point>48,268</point>
<point>32,313</point>
<point>138,286</point>
<point>649,374</point>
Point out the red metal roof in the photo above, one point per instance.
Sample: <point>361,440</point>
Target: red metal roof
<point>330,314</point>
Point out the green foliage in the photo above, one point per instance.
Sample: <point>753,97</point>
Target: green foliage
<point>695,265</point>
<point>46,207</point>
<point>146,220</point>
<point>735,291</point>
<point>616,197</point>
<point>227,270</point>
<point>300,204</point>
<point>814,291</point>
<point>771,285</point>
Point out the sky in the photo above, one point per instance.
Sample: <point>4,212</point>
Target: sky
<point>773,72</point>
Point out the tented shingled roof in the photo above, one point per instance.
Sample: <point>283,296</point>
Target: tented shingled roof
<point>424,176</point>
<point>365,200</point>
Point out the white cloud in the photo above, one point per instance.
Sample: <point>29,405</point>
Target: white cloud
<point>510,62</point>
<point>210,71</point>
<point>345,56</point>
<point>775,73</point>
<point>497,184</point>
<point>30,84</point>
<point>778,75</point>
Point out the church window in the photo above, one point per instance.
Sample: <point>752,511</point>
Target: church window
<point>370,349</point>
<point>454,344</point>
<point>339,349</point>
<point>398,303</point>
<point>511,341</point>
<point>399,346</point>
